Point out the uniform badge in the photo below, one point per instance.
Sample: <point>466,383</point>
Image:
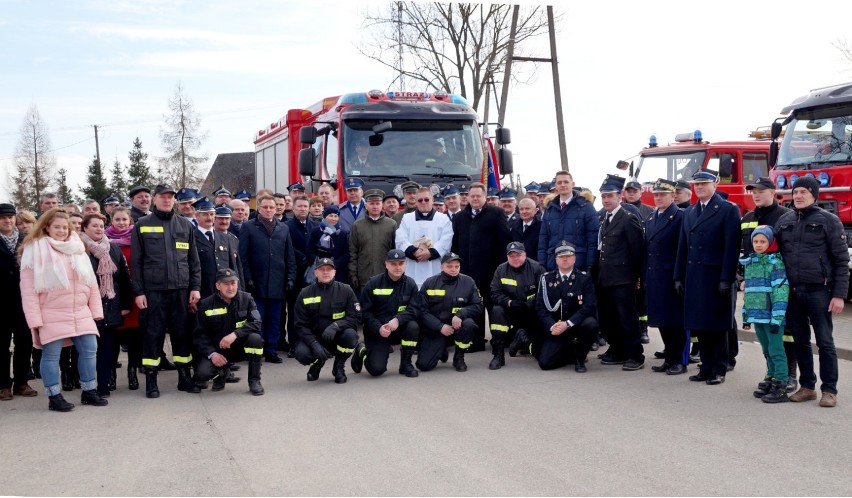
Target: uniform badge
<point>221,248</point>
<point>580,299</point>
<point>358,307</point>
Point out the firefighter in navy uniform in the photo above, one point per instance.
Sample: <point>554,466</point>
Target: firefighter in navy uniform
<point>327,314</point>
<point>452,306</point>
<point>566,309</point>
<point>513,291</point>
<point>390,303</point>
<point>227,330</point>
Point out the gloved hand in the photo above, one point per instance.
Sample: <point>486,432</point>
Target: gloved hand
<point>329,332</point>
<point>517,303</point>
<point>724,288</point>
<point>678,287</point>
<point>353,279</point>
<point>319,351</point>
<point>290,285</point>
<point>774,329</point>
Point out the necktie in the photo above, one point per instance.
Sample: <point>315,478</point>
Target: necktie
<point>526,225</point>
<point>475,212</point>
<point>608,217</point>
<point>563,204</point>
<point>210,237</point>
<point>564,278</point>
<point>700,208</point>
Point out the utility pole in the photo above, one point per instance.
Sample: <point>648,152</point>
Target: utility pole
<point>97,146</point>
<point>557,93</point>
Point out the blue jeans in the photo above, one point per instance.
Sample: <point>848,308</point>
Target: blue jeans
<point>270,315</point>
<point>87,350</point>
<point>806,308</point>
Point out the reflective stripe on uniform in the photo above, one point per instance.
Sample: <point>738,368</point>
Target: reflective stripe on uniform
<point>500,328</point>
<point>338,316</point>
<point>436,292</point>
<point>241,324</point>
<point>257,351</point>
<point>183,359</point>
<point>693,338</point>
<point>455,310</point>
<point>215,311</point>
<point>151,229</point>
<point>312,300</point>
<point>345,350</point>
<point>150,362</point>
<point>530,296</point>
<point>748,224</point>
<point>408,344</point>
<point>509,281</point>
<point>401,308</point>
<point>182,245</point>
<point>382,292</point>
<point>788,338</point>
<point>643,318</point>
<point>464,345</point>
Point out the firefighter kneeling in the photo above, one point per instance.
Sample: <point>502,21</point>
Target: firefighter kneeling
<point>390,306</point>
<point>327,314</point>
<point>227,329</point>
<point>565,305</point>
<point>513,291</point>
<point>452,305</point>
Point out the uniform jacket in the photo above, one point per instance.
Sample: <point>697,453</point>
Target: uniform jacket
<point>644,210</point>
<point>620,255</point>
<point>131,320</point>
<point>528,238</point>
<point>813,244</point>
<point>269,261</point>
<point>572,301</point>
<point>163,254</point>
<point>766,289</point>
<point>518,285</point>
<point>340,252</point>
<point>319,305</point>
<point>437,227</point>
<point>481,242</point>
<point>445,297</point>
<point>708,253</point>
<point>369,243</point>
<point>577,224</point>
<point>383,300</point>
<point>665,307</point>
<point>216,319</point>
<point>224,252</point>
<point>10,285</point>
<point>299,235</point>
<point>768,215</point>
<point>123,299</point>
<point>346,217</point>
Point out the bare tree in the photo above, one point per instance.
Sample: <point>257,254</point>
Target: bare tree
<point>183,163</point>
<point>34,162</point>
<point>458,48</point>
<point>842,46</point>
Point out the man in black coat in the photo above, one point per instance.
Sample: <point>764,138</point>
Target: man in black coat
<point>480,234</point>
<point>617,271</point>
<point>527,228</point>
<point>215,250</point>
<point>300,232</point>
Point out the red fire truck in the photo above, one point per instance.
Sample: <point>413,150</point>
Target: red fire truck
<point>431,138</point>
<point>738,163</point>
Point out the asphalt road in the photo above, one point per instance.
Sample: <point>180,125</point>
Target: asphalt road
<point>516,431</point>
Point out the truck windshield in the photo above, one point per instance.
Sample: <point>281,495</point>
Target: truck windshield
<point>675,166</point>
<point>818,138</point>
<point>451,149</point>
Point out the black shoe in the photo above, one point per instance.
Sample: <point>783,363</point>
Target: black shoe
<point>580,366</point>
<point>660,355</point>
<point>699,377</point>
<point>272,358</point>
<point>676,369</point>
<point>499,360</point>
<point>314,371</point>
<point>234,367</point>
<point>151,389</point>
<point>778,393</point>
<point>445,355</point>
<point>632,365</point>
<point>338,370</point>
<point>694,358</point>
<point>220,381</point>
<point>255,387</point>
<point>57,403</point>
<point>611,360</point>
<point>594,346</point>
<point>731,367</point>
<point>661,368</point>
<point>520,341</point>
<point>357,362</point>
<point>231,378</point>
<point>91,397</point>
<point>405,366</point>
<point>185,382</point>
<point>132,378</point>
<point>715,380</point>
<point>165,364</point>
<point>763,388</point>
<point>458,361</point>
<point>291,353</point>
<point>644,338</point>
<point>602,341</point>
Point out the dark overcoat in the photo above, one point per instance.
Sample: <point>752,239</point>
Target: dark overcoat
<point>481,242</point>
<point>268,260</point>
<point>662,234</point>
<point>529,238</point>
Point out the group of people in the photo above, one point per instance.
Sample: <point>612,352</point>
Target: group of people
<point>548,275</point>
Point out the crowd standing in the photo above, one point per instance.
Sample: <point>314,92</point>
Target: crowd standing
<point>547,275</point>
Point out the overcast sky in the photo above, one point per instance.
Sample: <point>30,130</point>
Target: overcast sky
<point>628,69</point>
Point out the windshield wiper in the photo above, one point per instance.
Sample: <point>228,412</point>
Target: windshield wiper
<point>385,177</point>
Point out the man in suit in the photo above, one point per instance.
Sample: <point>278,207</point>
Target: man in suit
<point>526,229</point>
<point>215,252</point>
<point>509,203</point>
<point>617,272</point>
<point>300,231</point>
<point>705,272</point>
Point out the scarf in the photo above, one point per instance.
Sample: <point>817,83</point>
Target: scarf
<point>11,241</point>
<point>106,266</point>
<point>118,237</point>
<point>268,225</point>
<point>45,257</point>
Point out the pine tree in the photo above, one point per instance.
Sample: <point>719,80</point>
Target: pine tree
<point>138,173</point>
<point>64,193</point>
<point>97,184</point>
<point>117,183</point>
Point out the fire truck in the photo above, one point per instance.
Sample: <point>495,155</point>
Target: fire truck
<point>382,138</point>
<point>738,163</point>
<point>816,140</point>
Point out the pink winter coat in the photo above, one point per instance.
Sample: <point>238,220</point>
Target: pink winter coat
<point>60,314</point>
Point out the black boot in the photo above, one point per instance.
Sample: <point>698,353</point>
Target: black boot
<point>643,324</point>
<point>520,342</point>
<point>151,389</point>
<point>132,378</point>
<point>316,368</point>
<point>220,380</point>
<point>58,404</point>
<point>763,387</point>
<point>67,382</point>
<point>255,387</point>
<point>445,355</point>
<point>499,360</point>
<point>778,393</point>
<point>792,384</point>
<point>185,381</point>
<point>339,370</point>
<point>458,360</point>
<point>112,380</point>
<point>91,397</point>
<point>357,362</point>
<point>405,366</point>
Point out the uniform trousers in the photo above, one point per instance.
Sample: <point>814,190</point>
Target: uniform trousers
<point>506,319</point>
<point>620,322</point>
<point>713,349</point>
<point>343,345</point>
<point>378,347</point>
<point>250,346</point>
<point>167,311</point>
<point>555,351</point>
<point>270,316</point>
<point>675,342</point>
<point>433,344</point>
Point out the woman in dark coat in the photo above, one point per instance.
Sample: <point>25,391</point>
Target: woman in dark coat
<point>116,297</point>
<point>329,241</point>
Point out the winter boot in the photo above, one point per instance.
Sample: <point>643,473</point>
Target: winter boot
<point>58,404</point>
<point>357,362</point>
<point>132,378</point>
<point>778,393</point>
<point>792,384</point>
<point>151,389</point>
<point>499,360</point>
<point>644,332</point>
<point>405,366</point>
<point>458,360</point>
<point>314,371</point>
<point>339,370</point>
<point>185,381</point>
<point>445,355</point>
<point>221,379</point>
<point>112,380</point>
<point>67,382</point>
<point>91,397</point>
<point>520,342</point>
<point>763,387</point>
<point>255,387</point>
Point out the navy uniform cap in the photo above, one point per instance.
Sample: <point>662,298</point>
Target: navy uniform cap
<point>463,188</point>
<point>532,187</point>
<point>243,195</point>
<point>450,190</point>
<point>324,261</point>
<point>762,183</point>
<point>226,275</point>
<point>222,191</point>
<point>110,199</point>
<point>507,194</point>
<point>515,247</point>
<point>353,182</point>
<point>493,192</point>
<point>204,205</point>
<point>223,211</point>
<point>564,248</point>
<point>296,186</point>
<point>395,255</point>
<point>633,184</point>
<point>186,195</point>
<point>544,188</point>
<point>682,184</point>
<point>663,186</point>
<point>705,176</point>
<point>438,200</point>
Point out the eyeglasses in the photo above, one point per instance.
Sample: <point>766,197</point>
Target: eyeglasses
<point>424,200</point>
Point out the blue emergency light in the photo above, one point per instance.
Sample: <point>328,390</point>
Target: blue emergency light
<point>824,179</point>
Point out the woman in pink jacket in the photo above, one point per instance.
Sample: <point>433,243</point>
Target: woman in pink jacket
<point>61,302</point>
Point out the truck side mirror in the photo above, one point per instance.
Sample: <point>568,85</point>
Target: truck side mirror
<point>504,136</point>
<point>776,130</point>
<point>308,135</point>
<point>307,160</point>
<point>504,160</point>
<point>773,154</point>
